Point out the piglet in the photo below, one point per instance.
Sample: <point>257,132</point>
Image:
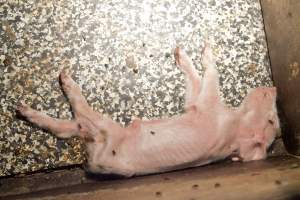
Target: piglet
<point>208,131</point>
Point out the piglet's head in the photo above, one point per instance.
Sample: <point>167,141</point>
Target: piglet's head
<point>259,123</point>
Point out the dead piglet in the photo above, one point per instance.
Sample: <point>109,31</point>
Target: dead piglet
<point>208,130</point>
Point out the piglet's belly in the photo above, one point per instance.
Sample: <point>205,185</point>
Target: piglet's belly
<point>169,145</point>
<point>173,155</point>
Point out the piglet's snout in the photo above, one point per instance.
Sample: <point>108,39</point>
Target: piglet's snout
<point>259,154</point>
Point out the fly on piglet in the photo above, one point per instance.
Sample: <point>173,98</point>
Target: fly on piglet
<point>208,131</point>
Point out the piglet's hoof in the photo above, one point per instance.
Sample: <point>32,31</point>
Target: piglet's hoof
<point>177,55</point>
<point>22,108</point>
<point>65,79</point>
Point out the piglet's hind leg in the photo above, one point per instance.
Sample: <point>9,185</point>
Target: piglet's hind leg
<point>79,104</point>
<point>61,128</point>
<point>89,121</point>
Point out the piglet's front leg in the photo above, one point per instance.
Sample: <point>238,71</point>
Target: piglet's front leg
<point>193,80</point>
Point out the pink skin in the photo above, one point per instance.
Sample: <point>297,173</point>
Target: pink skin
<point>208,131</point>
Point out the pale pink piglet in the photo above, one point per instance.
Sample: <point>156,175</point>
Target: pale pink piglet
<point>208,131</point>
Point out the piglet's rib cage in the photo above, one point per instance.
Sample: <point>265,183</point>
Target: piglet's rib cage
<point>115,49</point>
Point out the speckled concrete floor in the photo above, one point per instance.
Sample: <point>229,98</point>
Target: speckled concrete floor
<point>121,54</point>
